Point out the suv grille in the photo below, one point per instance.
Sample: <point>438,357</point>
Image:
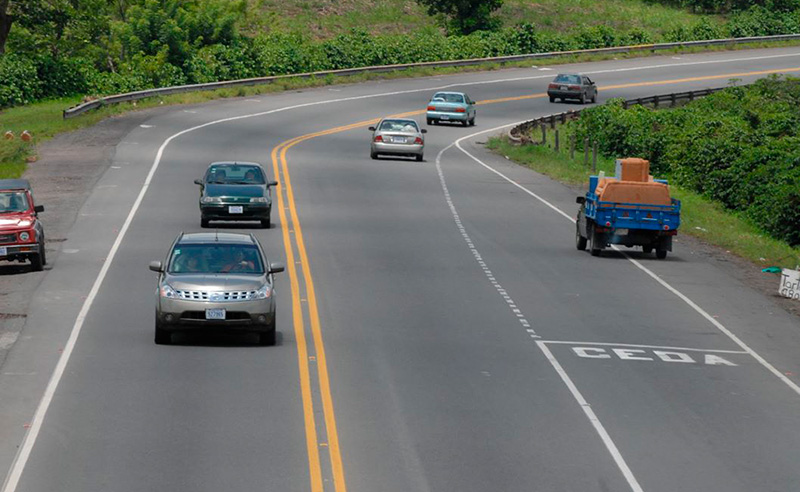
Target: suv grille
<point>197,295</point>
<point>8,238</point>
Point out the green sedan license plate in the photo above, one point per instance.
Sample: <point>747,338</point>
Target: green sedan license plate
<point>215,314</point>
<point>235,209</point>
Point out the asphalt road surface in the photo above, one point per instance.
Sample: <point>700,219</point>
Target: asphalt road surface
<point>438,330</point>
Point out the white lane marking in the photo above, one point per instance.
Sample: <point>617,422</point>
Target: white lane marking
<point>146,126</point>
<point>486,271</point>
<point>633,345</point>
<point>794,387</point>
<point>253,100</point>
<point>598,426</point>
<point>545,69</point>
<point>14,475</point>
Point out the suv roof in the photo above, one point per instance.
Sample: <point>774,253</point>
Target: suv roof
<point>14,184</point>
<point>215,237</point>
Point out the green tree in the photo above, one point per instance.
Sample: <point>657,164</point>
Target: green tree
<point>465,16</point>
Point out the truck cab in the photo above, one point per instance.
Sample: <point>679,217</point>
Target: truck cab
<point>21,231</point>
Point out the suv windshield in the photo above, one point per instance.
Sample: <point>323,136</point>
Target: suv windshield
<point>216,258</point>
<point>234,174</point>
<point>13,201</point>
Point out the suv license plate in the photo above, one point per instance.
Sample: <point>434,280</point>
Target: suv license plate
<point>215,314</point>
<point>235,209</point>
<point>621,232</point>
<point>445,117</point>
<point>3,251</point>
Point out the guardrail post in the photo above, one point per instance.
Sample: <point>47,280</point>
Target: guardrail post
<point>594,158</point>
<point>552,122</point>
<point>556,136</point>
<point>673,100</point>
<point>691,96</point>
<point>655,102</point>
<point>572,148</point>
<point>625,104</point>
<point>544,133</point>
<point>563,118</point>
<point>586,152</point>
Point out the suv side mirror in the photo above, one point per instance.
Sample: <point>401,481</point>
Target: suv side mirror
<point>272,183</point>
<point>423,131</point>
<point>580,199</point>
<point>38,208</point>
<point>276,267</point>
<point>372,128</point>
<point>156,266</point>
<point>198,182</point>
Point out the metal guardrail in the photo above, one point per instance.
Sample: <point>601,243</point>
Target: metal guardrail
<point>521,132</point>
<point>134,96</point>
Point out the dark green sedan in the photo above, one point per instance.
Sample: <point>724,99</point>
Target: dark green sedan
<point>235,191</point>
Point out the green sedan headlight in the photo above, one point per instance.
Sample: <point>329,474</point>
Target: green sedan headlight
<point>210,199</point>
<point>258,199</point>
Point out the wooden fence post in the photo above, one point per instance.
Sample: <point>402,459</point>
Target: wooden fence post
<point>586,151</point>
<point>572,147</point>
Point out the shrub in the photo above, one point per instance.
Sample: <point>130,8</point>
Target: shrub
<point>21,84</point>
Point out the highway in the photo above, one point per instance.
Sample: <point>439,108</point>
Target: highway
<point>438,330</point>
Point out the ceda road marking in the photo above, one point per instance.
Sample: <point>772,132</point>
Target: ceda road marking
<point>651,353</point>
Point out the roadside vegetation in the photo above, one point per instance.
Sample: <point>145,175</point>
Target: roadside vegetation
<point>63,48</point>
<point>732,158</point>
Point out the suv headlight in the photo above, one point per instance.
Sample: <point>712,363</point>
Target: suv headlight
<point>167,291</point>
<point>24,236</point>
<point>263,293</point>
<point>258,199</point>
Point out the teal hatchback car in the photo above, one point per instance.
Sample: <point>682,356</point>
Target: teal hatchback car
<point>451,106</point>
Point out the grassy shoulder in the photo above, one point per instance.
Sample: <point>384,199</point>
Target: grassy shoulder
<point>44,119</point>
<point>700,217</point>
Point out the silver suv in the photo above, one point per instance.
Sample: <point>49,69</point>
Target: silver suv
<point>215,280</point>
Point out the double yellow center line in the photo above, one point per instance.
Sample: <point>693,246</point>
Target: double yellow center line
<point>285,201</point>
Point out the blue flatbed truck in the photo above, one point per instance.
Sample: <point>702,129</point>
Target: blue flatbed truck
<point>602,223</point>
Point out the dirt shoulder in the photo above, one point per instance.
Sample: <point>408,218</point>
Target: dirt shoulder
<point>64,175</point>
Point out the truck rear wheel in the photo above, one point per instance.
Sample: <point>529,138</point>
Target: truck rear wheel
<point>661,253</point>
<point>594,247</point>
<point>580,241</point>
<point>647,249</point>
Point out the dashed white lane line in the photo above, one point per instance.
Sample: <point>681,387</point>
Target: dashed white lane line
<point>481,262</point>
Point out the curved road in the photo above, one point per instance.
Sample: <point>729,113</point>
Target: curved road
<point>438,329</point>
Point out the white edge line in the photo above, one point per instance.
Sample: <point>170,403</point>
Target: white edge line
<point>598,426</point>
<point>605,344</point>
<point>14,475</point>
<point>794,387</point>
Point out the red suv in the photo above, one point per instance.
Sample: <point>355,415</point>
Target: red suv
<point>21,232</point>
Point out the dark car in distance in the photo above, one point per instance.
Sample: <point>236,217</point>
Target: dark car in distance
<point>572,86</point>
<point>235,191</point>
